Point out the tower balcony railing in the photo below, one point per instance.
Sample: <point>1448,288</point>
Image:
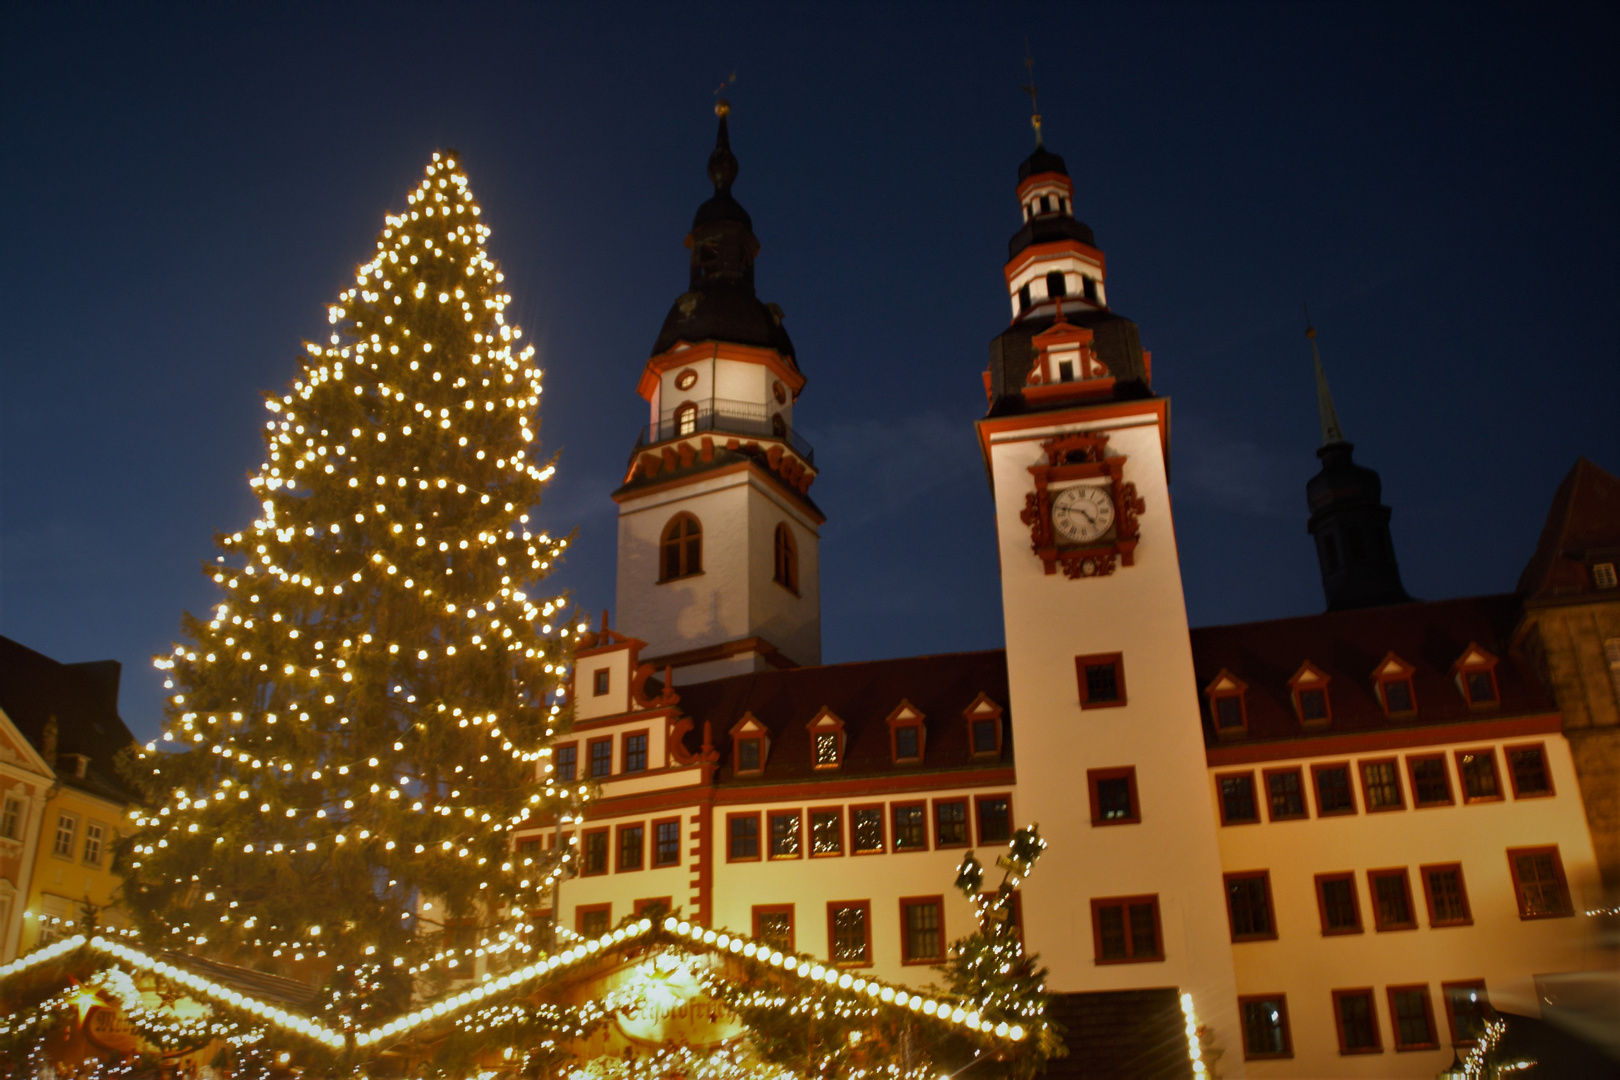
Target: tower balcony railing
<point>727,417</point>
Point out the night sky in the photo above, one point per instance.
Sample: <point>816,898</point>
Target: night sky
<point>186,187</point>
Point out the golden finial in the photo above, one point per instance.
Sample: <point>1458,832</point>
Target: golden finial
<point>1029,88</point>
<point>722,107</point>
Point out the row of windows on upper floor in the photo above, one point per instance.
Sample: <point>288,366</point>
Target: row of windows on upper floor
<point>681,553</point>
<point>1474,675</point>
<point>1057,287</point>
<point>65,841</point>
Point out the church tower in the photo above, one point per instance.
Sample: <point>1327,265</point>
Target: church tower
<point>718,569</point>
<point>1348,521</point>
<point>1111,759</point>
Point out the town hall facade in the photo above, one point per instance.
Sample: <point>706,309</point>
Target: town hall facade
<point>1341,834</point>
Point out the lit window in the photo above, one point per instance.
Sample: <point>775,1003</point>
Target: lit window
<point>826,749</point>
<point>686,419</point>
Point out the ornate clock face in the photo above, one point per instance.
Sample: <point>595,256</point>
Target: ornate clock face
<point>1082,514</point>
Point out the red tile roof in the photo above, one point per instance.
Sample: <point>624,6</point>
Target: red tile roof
<point>1349,645</point>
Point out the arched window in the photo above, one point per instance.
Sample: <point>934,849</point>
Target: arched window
<point>682,547</point>
<point>686,419</point>
<point>787,559</point>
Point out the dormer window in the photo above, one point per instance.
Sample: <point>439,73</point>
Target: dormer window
<point>826,740</point>
<point>1475,672</point>
<point>1393,678</point>
<point>1056,285</point>
<point>1311,702</point>
<point>906,734</point>
<point>984,727</point>
<point>750,742</point>
<point>599,682</point>
<point>1227,709</point>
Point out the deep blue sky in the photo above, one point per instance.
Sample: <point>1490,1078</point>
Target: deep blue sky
<point>186,187</point>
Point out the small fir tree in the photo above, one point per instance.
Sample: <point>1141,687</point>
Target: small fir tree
<point>357,726</point>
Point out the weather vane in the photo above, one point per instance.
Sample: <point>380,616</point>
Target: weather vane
<point>722,107</point>
<point>1029,88</point>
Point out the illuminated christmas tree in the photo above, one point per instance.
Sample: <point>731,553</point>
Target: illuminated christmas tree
<point>356,728</point>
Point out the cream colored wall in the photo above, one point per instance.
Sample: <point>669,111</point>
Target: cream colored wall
<point>791,623</point>
<point>71,877</point>
<point>1138,611</point>
<point>1501,948</point>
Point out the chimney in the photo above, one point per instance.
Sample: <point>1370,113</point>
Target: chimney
<point>76,764</point>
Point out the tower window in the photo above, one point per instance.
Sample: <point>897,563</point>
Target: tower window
<point>683,547</point>
<point>1065,371</point>
<point>787,560</point>
<point>1102,680</point>
<point>686,419</point>
<point>1023,297</point>
<point>1089,286</point>
<point>1056,285</point>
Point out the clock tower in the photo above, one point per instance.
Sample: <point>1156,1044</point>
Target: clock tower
<point>718,571</point>
<point>1111,759</point>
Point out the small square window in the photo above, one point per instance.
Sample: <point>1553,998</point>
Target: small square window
<point>1445,894</point>
<point>565,761</point>
<point>1431,783</point>
<point>995,818</point>
<point>1527,768</point>
<point>667,842</point>
<point>922,922</point>
<point>1285,791</point>
<point>1381,786</point>
<point>907,743</point>
<point>849,933</point>
<point>1392,899</point>
<point>748,755</point>
<point>1265,1026</point>
<point>1337,903</point>
<point>601,751</point>
<point>600,682</point>
<point>910,827</point>
<point>866,829</point>
<point>1248,906</point>
<point>1333,792</point>
<point>635,752</point>
<point>987,736</point>
<point>1411,1017</point>
<point>785,834</point>
<point>632,844</point>
<point>950,823</point>
<point>773,926</point>
<point>826,832</point>
<point>1113,796</point>
<point>1357,1022</point>
<point>1238,806</point>
<point>1477,769</point>
<point>742,837</point>
<point>1466,1008</point>
<point>1538,881</point>
<point>1102,680</point>
<point>1125,929</point>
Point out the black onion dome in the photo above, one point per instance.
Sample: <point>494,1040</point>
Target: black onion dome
<point>720,304</point>
<point>1042,160</point>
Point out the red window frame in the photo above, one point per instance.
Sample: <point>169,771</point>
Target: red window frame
<point>590,757</point>
<point>938,904</point>
<point>771,817</point>
<point>1467,917</point>
<point>1513,775</point>
<point>619,849</point>
<point>1395,778</point>
<point>736,755</point>
<point>1281,1000</point>
<point>1307,679</point>
<point>1125,903</point>
<point>1433,1042</point>
<point>556,777</point>
<point>1220,797</point>
<point>1225,686</point>
<point>1385,874</point>
<point>967,823</point>
<point>581,910</point>
<point>1457,1037</point>
<point>883,829</point>
<point>1355,902</point>
<point>1264,877</point>
<point>601,680</point>
<point>833,907</point>
<point>810,836</point>
<point>1513,856</point>
<point>1304,795</point>
<point>1377,1046</point>
<point>1100,660</point>
<point>606,834</point>
<point>915,723</point>
<point>775,909</point>
<point>624,752</point>
<point>978,817</point>
<point>638,908</point>
<point>655,824</point>
<point>894,825</point>
<point>1486,664</point>
<point>1350,787</point>
<point>1488,752</point>
<point>759,837</point>
<point>1126,773</point>
<point>1418,803</point>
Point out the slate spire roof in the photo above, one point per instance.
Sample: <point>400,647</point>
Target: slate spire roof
<point>1583,526</point>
